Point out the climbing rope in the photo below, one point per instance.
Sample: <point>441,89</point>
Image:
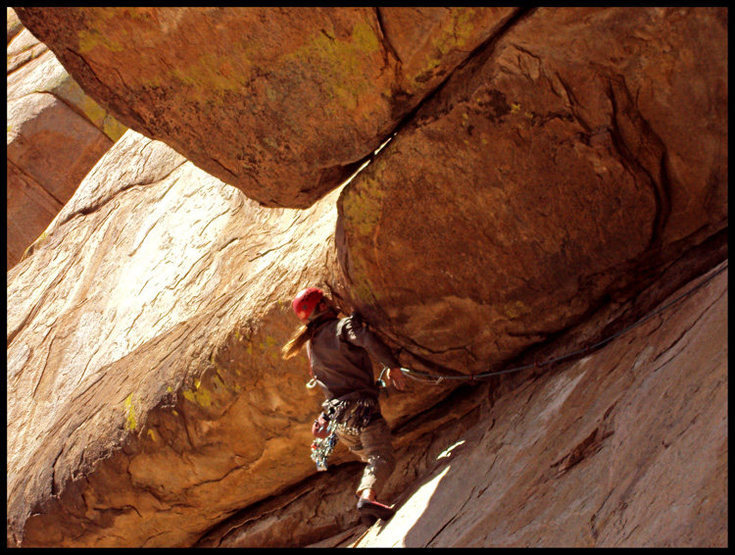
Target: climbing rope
<point>436,379</point>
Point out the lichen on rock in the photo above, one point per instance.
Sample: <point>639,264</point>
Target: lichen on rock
<point>539,193</point>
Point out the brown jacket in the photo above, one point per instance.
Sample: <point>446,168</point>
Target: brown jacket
<point>339,353</point>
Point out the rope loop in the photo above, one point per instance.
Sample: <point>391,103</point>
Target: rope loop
<point>437,379</point>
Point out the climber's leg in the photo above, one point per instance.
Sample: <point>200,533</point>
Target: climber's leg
<point>375,448</point>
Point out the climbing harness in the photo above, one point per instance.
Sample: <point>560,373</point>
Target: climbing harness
<point>347,417</point>
<point>351,416</point>
<point>436,379</point>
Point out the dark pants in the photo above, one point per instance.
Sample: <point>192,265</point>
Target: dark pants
<point>373,446</point>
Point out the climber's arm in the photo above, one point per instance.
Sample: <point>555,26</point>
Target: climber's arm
<point>359,334</point>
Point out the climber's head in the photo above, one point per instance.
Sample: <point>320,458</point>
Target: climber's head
<point>310,303</point>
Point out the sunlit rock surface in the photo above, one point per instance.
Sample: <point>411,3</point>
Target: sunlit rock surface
<point>55,134</point>
<point>626,447</point>
<point>623,447</point>
<point>147,396</point>
<point>545,193</point>
<point>539,179</point>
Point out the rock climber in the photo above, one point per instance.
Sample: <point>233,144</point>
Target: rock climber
<point>339,351</point>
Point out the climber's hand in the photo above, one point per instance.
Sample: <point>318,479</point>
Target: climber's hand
<point>319,427</point>
<point>396,377</point>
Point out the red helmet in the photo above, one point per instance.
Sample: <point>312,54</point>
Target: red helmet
<point>306,301</point>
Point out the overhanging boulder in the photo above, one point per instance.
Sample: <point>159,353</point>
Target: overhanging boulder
<point>283,103</point>
<point>550,172</point>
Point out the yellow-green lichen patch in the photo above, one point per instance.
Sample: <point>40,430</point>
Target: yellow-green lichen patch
<point>453,34</point>
<point>462,28</point>
<point>343,64</point>
<point>270,347</point>
<point>101,25</point>
<point>210,75</point>
<point>91,39</point>
<point>364,37</point>
<point>515,309</point>
<point>32,247</point>
<point>68,89</point>
<point>346,99</point>
<point>269,342</point>
<point>362,206</point>
<point>363,290</point>
<point>218,384</point>
<point>130,421</point>
<point>199,395</point>
<point>113,128</point>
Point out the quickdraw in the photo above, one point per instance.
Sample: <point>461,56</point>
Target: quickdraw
<point>321,448</point>
<point>347,417</point>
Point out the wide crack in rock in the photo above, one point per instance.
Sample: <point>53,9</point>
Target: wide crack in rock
<point>144,352</point>
<point>537,184</point>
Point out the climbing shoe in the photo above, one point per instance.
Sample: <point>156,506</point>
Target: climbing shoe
<point>370,511</point>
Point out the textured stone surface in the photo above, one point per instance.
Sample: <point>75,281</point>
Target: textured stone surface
<point>626,447</point>
<point>55,134</point>
<point>546,179</point>
<point>147,397</point>
<point>22,46</point>
<point>535,181</point>
<point>592,452</point>
<point>322,508</point>
<point>52,143</point>
<point>282,103</point>
<point>14,26</point>
<point>29,210</point>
